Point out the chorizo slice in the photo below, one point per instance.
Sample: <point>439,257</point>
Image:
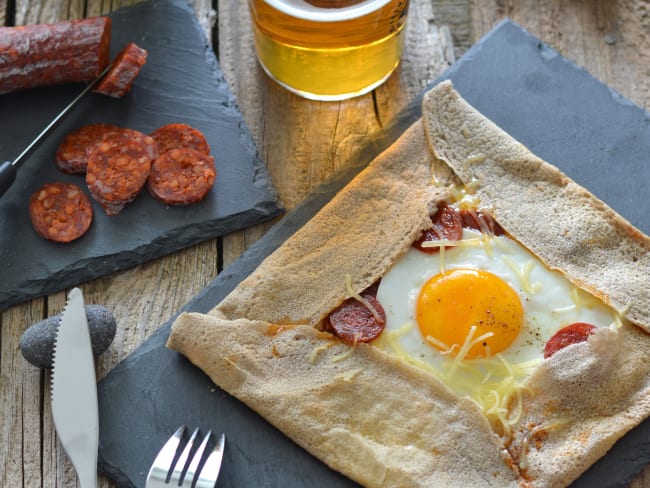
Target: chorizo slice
<point>150,146</point>
<point>446,224</point>
<point>481,221</point>
<point>60,212</point>
<point>50,54</point>
<point>173,136</point>
<point>181,176</point>
<point>72,154</point>
<point>357,321</point>
<point>566,336</point>
<point>118,169</point>
<point>126,67</point>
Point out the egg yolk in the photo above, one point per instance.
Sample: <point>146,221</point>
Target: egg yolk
<point>452,302</point>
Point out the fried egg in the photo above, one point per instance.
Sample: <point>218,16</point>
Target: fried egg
<point>477,316</point>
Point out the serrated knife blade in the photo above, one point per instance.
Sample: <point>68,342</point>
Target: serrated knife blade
<point>74,391</point>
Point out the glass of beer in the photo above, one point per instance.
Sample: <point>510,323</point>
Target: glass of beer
<point>329,49</point>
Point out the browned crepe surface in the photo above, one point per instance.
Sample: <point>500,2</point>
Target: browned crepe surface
<point>385,423</point>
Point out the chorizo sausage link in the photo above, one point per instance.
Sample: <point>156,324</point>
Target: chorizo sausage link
<point>50,54</point>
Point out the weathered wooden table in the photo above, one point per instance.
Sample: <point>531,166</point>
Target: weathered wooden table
<point>302,142</point>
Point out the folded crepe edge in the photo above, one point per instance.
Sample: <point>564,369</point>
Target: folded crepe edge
<point>359,410</point>
<point>561,222</point>
<point>444,101</point>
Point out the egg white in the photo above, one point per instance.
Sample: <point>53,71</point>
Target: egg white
<point>549,300</point>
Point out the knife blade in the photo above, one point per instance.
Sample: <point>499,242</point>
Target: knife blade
<point>74,391</point>
<point>9,169</point>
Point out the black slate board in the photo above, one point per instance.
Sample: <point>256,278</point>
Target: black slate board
<point>181,82</point>
<point>548,103</point>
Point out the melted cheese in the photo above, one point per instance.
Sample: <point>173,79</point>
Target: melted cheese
<point>491,382</point>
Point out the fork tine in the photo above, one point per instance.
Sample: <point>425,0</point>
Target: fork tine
<point>208,476</point>
<point>163,463</point>
<point>193,468</point>
<point>177,472</point>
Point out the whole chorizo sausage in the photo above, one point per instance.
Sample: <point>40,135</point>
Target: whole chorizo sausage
<point>49,54</point>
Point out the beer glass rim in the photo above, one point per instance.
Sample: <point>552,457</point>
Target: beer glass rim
<point>304,10</point>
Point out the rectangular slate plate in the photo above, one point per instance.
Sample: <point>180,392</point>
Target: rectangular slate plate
<point>181,82</point>
<point>549,104</point>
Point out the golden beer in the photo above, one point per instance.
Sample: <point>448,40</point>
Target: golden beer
<point>328,53</point>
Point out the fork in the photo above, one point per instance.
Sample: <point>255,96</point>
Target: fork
<point>185,471</point>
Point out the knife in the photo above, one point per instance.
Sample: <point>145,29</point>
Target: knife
<point>9,169</point>
<point>74,391</point>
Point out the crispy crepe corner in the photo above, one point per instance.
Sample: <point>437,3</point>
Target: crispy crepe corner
<point>385,423</point>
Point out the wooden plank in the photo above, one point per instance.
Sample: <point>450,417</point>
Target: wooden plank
<point>4,7</point>
<point>610,39</point>
<point>20,412</point>
<point>304,142</point>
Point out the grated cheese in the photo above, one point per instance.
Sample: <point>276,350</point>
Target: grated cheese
<point>476,159</point>
<point>476,242</point>
<point>444,348</point>
<point>344,355</point>
<point>348,375</point>
<point>467,345</point>
<point>317,350</point>
<point>390,341</point>
<point>473,185</point>
<point>568,308</point>
<point>359,298</point>
<point>525,443</point>
<point>523,274</point>
<point>491,382</point>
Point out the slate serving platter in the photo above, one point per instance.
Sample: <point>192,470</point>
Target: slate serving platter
<point>181,82</point>
<point>554,107</point>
